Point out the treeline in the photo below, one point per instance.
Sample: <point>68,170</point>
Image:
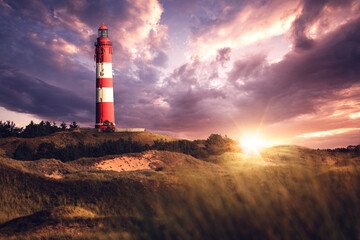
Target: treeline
<point>215,144</point>
<point>72,152</point>
<point>9,129</point>
<point>349,149</point>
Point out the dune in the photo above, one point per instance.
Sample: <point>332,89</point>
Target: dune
<point>65,220</point>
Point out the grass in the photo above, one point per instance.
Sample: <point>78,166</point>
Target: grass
<point>261,202</point>
<point>287,193</point>
<point>24,193</point>
<point>92,137</point>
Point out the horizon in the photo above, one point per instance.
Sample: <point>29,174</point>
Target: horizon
<point>283,72</point>
<point>249,146</point>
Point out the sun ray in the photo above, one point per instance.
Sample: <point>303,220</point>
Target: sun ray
<point>252,145</point>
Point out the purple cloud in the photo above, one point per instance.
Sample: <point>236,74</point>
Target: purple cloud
<point>49,44</point>
<point>23,93</point>
<point>310,13</point>
<point>295,85</point>
<point>48,67</point>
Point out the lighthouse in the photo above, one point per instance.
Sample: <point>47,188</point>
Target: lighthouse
<point>104,83</point>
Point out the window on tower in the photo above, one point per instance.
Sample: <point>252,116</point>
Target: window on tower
<point>103,33</point>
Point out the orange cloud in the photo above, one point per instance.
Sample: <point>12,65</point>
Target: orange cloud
<point>327,133</point>
<point>254,23</point>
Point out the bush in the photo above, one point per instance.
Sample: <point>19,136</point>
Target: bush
<point>46,150</point>
<point>24,152</point>
<point>216,144</point>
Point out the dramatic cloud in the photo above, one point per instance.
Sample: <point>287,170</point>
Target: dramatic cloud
<point>20,92</point>
<point>311,14</point>
<point>299,83</point>
<point>51,42</point>
<point>190,68</point>
<point>245,69</point>
<point>242,23</point>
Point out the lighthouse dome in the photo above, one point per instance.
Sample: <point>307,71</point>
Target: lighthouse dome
<point>103,26</point>
<point>103,31</point>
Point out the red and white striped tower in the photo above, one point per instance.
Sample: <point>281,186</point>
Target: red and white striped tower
<point>104,83</point>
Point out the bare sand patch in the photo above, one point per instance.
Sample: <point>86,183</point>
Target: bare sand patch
<point>55,175</point>
<point>144,161</point>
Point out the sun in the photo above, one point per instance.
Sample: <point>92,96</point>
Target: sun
<point>252,145</point>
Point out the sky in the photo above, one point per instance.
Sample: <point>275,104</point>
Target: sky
<point>286,71</point>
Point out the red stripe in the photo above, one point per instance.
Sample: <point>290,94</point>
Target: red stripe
<point>103,53</point>
<point>105,111</point>
<point>104,82</point>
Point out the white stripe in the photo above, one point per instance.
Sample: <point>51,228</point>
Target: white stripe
<point>103,70</point>
<point>104,94</point>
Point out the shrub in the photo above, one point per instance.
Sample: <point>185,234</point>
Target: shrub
<point>24,152</point>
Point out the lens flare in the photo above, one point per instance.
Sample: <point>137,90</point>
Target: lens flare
<point>252,145</point>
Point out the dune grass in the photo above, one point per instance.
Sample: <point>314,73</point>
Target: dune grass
<point>260,202</point>
<point>286,193</point>
<point>86,136</point>
<point>24,193</point>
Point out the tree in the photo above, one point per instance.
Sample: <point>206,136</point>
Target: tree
<point>30,130</point>
<point>74,125</point>
<point>63,126</point>
<point>215,139</point>
<point>216,144</point>
<point>54,127</point>
<point>8,129</point>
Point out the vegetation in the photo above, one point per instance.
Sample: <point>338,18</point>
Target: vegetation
<point>281,196</point>
<point>286,192</point>
<point>8,129</point>
<point>44,128</point>
<point>260,203</point>
<point>23,193</point>
<point>72,152</point>
<point>215,144</point>
<point>74,125</point>
<point>349,149</point>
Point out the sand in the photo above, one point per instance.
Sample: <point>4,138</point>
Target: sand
<point>55,175</point>
<point>130,163</point>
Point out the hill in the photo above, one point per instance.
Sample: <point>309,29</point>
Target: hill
<point>286,192</point>
<point>29,186</point>
<point>68,220</point>
<point>86,136</point>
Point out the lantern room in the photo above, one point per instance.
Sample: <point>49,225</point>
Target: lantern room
<point>103,31</point>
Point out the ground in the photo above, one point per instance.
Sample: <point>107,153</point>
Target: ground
<point>287,192</point>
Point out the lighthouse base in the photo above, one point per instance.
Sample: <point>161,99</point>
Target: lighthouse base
<point>130,130</point>
<point>107,126</point>
<point>121,129</point>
